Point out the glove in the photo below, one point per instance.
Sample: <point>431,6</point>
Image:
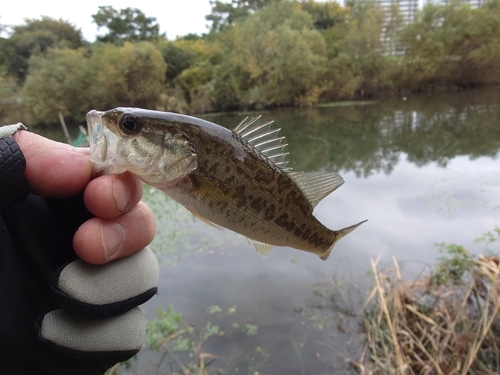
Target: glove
<point>99,318</point>
<point>58,314</point>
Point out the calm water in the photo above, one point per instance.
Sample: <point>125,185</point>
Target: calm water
<point>422,171</point>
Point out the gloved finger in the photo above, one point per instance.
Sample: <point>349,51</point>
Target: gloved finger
<point>110,196</point>
<point>101,291</point>
<point>117,338</point>
<point>99,240</point>
<point>53,169</point>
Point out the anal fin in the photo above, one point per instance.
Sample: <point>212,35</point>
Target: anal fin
<point>263,249</point>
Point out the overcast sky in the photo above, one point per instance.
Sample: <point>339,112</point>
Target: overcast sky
<point>176,17</point>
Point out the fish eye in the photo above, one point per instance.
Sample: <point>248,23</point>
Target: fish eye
<point>129,125</point>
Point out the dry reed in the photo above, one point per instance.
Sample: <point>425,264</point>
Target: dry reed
<point>431,328</point>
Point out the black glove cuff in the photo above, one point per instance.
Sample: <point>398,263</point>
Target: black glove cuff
<point>90,311</point>
<point>14,187</point>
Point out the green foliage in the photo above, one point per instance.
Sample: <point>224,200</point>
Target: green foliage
<point>209,330</point>
<point>282,54</point>
<point>251,329</point>
<point>131,75</point>
<point>129,24</point>
<point>453,265</point>
<point>214,309</point>
<point>58,83</point>
<point>177,59</point>
<point>325,14</point>
<point>72,81</point>
<point>259,54</point>
<point>224,14</point>
<point>35,37</point>
<point>359,67</point>
<point>169,335</point>
<point>164,326</point>
<point>490,236</point>
<point>448,44</point>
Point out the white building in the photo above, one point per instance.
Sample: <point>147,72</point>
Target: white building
<point>407,9</point>
<point>472,3</point>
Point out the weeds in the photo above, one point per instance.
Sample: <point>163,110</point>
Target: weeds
<point>181,345</point>
<point>443,324</point>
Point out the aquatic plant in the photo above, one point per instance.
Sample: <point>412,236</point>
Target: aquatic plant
<point>181,345</point>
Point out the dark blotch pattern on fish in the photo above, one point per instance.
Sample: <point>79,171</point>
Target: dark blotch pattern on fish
<point>241,199</point>
<point>212,170</point>
<point>283,222</point>
<point>258,204</point>
<point>269,214</point>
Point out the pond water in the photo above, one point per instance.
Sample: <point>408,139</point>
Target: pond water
<point>422,171</point>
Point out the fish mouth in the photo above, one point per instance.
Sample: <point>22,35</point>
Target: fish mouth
<point>103,142</point>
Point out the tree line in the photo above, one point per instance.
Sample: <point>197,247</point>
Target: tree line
<point>257,54</point>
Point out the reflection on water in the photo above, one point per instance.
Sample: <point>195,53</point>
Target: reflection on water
<point>422,171</point>
<point>370,139</point>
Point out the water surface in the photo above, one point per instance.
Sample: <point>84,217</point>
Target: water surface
<point>422,171</point>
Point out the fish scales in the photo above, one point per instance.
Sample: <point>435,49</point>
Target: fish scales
<point>221,176</point>
<point>262,201</point>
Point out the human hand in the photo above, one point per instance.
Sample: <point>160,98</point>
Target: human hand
<point>123,224</point>
<point>44,275</point>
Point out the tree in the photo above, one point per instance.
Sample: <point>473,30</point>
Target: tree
<point>130,75</point>
<point>35,37</point>
<point>58,83</point>
<point>177,59</point>
<point>129,24</point>
<point>325,14</point>
<point>453,45</point>
<point>73,81</point>
<point>282,54</point>
<point>226,14</point>
<point>359,67</point>
<point>486,53</point>
<point>197,81</point>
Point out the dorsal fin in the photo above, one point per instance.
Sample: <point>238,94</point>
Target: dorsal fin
<point>316,185</point>
<point>265,140</point>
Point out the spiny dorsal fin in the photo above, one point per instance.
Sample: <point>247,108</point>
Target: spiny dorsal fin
<point>263,249</point>
<point>265,140</point>
<point>316,185</point>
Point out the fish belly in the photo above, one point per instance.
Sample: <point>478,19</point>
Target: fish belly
<point>253,212</point>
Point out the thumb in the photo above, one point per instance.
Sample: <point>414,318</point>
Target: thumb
<point>53,169</point>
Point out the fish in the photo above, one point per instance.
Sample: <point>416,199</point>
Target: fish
<point>236,179</point>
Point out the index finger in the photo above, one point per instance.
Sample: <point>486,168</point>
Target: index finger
<point>54,169</point>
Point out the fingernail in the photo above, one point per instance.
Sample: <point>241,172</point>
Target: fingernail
<point>112,237</point>
<point>82,150</point>
<point>121,194</point>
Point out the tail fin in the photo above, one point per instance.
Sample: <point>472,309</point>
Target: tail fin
<point>338,235</point>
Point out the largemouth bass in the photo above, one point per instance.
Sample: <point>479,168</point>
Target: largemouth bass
<point>234,179</point>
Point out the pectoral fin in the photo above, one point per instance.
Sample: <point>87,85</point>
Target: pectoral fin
<point>205,220</point>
